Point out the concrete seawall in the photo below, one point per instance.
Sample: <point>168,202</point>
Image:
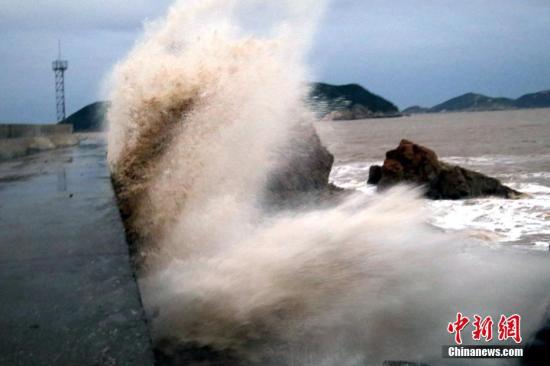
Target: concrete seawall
<point>68,291</point>
<point>9,131</point>
<point>22,139</point>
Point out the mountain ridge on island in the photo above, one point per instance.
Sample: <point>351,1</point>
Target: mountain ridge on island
<point>89,118</point>
<point>349,101</point>
<point>474,102</point>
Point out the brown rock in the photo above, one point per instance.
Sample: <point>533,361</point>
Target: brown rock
<point>415,164</point>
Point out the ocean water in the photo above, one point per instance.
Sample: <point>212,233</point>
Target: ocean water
<point>513,146</point>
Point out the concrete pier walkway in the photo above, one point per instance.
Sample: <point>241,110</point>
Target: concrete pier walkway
<point>67,291</point>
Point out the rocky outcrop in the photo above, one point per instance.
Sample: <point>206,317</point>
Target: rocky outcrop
<point>415,109</point>
<point>303,170</point>
<point>416,164</point>
<point>375,174</point>
<point>537,348</point>
<point>356,112</point>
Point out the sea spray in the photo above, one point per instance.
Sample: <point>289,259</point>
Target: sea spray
<point>365,281</point>
<point>201,108</point>
<point>199,103</point>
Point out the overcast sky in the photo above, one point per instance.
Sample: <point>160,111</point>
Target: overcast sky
<point>409,51</point>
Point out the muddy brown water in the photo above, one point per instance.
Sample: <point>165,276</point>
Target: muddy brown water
<point>513,146</point>
<point>524,134</point>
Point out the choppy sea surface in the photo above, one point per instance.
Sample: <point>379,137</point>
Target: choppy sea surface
<point>513,146</point>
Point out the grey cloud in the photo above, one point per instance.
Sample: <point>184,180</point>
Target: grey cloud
<point>410,51</point>
<point>67,15</point>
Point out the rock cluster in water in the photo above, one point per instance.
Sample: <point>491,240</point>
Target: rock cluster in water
<point>415,164</point>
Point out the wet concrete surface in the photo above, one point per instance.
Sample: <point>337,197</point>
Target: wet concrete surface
<point>67,291</point>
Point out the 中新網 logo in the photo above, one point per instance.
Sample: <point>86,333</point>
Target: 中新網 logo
<point>508,327</point>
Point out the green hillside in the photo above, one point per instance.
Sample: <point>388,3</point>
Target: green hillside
<point>89,118</point>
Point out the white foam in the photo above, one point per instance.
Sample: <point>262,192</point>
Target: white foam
<point>542,245</point>
<point>497,159</point>
<point>353,175</point>
<point>513,220</point>
<point>524,220</point>
<point>527,176</point>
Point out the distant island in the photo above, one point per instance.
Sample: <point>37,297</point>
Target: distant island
<point>350,101</point>
<point>89,118</point>
<point>336,102</point>
<point>472,102</point>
